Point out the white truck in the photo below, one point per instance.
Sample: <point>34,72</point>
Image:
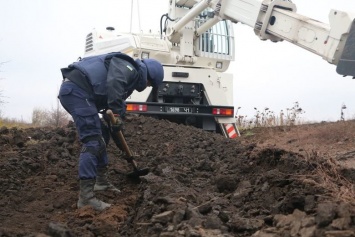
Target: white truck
<point>196,46</point>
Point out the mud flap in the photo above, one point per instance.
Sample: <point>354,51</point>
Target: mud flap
<point>230,130</point>
<point>346,64</point>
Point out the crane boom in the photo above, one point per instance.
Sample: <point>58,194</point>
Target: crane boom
<point>277,20</point>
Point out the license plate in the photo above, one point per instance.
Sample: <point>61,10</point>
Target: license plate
<point>179,109</point>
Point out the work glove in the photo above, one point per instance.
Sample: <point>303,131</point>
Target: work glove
<point>118,125</point>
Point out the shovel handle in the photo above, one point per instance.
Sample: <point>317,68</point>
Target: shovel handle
<point>119,134</point>
<point>137,172</point>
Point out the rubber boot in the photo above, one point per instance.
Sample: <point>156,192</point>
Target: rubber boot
<point>102,182</point>
<point>87,197</point>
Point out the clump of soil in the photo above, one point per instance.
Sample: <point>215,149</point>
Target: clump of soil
<point>268,183</point>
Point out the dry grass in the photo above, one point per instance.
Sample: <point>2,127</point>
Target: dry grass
<point>268,118</point>
<point>11,123</point>
<point>327,175</point>
<point>336,132</point>
<point>328,147</point>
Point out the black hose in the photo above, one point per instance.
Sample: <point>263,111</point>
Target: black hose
<point>165,24</point>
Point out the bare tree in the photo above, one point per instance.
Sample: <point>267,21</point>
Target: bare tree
<point>39,117</point>
<point>56,116</point>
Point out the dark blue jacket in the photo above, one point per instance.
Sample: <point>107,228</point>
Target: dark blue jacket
<point>113,78</point>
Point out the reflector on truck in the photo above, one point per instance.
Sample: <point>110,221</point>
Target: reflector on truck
<point>231,130</point>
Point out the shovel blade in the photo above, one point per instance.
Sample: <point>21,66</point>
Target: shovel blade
<point>139,172</point>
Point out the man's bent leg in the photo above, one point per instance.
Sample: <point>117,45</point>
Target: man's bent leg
<point>84,112</point>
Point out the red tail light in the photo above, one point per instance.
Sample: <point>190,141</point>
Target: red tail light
<point>136,107</point>
<point>221,111</point>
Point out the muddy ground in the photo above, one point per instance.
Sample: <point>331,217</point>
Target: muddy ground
<point>271,182</point>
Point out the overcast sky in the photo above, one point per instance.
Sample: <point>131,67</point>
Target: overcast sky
<point>38,37</point>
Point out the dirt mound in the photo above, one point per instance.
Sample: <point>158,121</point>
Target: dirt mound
<point>200,184</point>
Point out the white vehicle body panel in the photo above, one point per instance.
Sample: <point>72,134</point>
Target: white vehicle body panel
<point>196,46</point>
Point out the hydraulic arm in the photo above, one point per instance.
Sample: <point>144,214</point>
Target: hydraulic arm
<point>277,20</point>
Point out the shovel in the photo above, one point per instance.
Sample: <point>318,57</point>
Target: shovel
<point>136,173</point>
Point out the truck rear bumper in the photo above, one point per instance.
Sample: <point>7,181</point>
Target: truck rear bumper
<point>168,109</point>
<point>209,116</point>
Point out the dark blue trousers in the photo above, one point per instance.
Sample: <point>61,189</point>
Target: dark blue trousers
<point>81,107</point>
